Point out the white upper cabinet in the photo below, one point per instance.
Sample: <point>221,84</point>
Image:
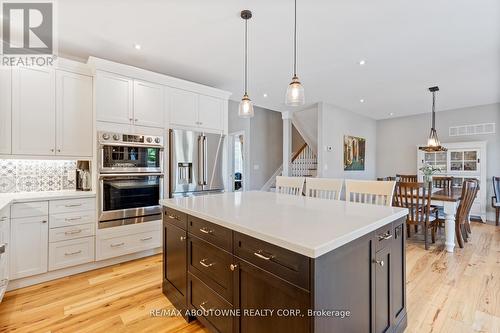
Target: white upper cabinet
<point>148,104</point>
<point>183,107</point>
<point>114,98</point>
<point>194,110</point>
<point>74,125</point>
<point>210,112</point>
<point>33,111</point>
<point>5,110</point>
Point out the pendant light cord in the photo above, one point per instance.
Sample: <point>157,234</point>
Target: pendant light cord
<point>295,42</point>
<point>246,54</point>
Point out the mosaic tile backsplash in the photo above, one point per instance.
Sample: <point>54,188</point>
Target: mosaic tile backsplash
<point>36,175</point>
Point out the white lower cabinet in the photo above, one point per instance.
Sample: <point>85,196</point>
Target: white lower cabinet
<point>29,240</point>
<point>71,232</point>
<point>71,252</point>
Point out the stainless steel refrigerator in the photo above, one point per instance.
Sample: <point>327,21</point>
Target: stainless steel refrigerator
<point>195,163</point>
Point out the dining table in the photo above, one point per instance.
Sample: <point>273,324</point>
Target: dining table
<point>449,200</point>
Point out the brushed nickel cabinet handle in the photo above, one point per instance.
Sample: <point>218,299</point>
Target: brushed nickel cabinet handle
<point>173,217</point>
<point>44,221</point>
<point>205,230</point>
<point>233,267</point>
<point>385,236</point>
<point>72,219</point>
<point>147,238</point>
<point>202,262</point>
<point>202,306</point>
<point>261,256</point>
<point>118,244</point>
<point>379,262</point>
<point>183,238</point>
<point>3,218</point>
<point>73,232</point>
<point>72,205</point>
<point>72,253</point>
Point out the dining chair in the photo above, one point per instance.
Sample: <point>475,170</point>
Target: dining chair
<point>469,192</point>
<point>369,191</point>
<point>406,178</point>
<point>495,200</point>
<point>324,188</point>
<point>416,197</point>
<point>444,182</point>
<point>386,178</point>
<point>289,185</point>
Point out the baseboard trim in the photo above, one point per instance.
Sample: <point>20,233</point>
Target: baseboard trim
<point>60,273</point>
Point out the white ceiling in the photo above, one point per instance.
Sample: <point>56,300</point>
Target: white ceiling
<point>408,46</point>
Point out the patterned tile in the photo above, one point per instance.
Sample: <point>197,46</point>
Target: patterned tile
<point>36,175</point>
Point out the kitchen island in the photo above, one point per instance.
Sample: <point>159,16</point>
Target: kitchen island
<point>267,262</point>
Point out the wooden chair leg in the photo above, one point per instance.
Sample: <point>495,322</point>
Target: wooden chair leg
<point>458,232</point>
<point>433,233</point>
<point>467,227</point>
<point>425,236</point>
<point>416,228</point>
<point>465,235</point>
<point>497,216</point>
<point>408,230</point>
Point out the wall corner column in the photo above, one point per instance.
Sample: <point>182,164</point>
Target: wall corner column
<point>287,141</point>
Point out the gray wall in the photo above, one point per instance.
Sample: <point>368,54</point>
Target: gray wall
<point>264,134</point>
<point>333,124</point>
<point>397,138</point>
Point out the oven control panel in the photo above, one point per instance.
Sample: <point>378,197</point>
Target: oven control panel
<point>107,138</point>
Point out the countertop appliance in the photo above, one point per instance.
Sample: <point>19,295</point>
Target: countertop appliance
<point>130,178</point>
<point>195,163</point>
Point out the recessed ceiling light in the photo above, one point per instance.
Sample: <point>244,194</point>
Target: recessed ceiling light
<point>361,100</point>
<point>137,46</point>
<point>391,114</point>
<point>362,62</point>
<point>265,95</point>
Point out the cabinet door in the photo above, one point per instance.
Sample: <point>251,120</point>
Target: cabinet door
<point>256,289</point>
<point>74,125</point>
<point>382,309</point>
<point>5,110</point>
<point>29,240</point>
<point>176,257</point>
<point>148,104</point>
<point>114,98</point>
<point>33,111</point>
<point>210,112</point>
<point>398,272</point>
<point>183,108</point>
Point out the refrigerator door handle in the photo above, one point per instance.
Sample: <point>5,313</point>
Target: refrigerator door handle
<point>200,160</point>
<point>205,161</point>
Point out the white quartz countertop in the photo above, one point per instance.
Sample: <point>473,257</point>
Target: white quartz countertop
<point>308,226</point>
<point>8,198</point>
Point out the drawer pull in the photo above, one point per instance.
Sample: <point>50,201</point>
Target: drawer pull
<point>205,230</point>
<point>203,307</point>
<point>385,236</point>
<point>233,267</point>
<point>73,205</point>
<point>72,253</point>
<point>147,238</point>
<point>118,244</point>
<point>183,238</point>
<point>173,217</point>
<point>69,219</point>
<point>202,262</point>
<point>73,232</point>
<point>44,221</point>
<point>379,262</point>
<point>261,256</point>
<point>2,248</point>
<point>3,218</point>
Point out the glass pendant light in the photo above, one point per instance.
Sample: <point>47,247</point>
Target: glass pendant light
<point>433,144</point>
<point>245,109</point>
<point>295,91</point>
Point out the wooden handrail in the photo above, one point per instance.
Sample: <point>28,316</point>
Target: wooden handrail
<point>301,149</point>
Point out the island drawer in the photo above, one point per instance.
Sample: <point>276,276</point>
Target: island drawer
<point>290,266</point>
<point>383,236</point>
<point>175,217</point>
<point>202,298</point>
<point>211,265</point>
<point>212,233</point>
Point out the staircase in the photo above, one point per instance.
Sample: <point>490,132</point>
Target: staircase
<point>304,164</point>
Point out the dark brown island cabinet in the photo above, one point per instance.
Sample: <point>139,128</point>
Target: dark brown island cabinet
<point>236,283</point>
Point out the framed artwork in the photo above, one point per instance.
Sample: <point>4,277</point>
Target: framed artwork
<point>354,153</point>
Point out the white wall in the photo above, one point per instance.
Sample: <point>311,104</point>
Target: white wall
<point>397,139</point>
<point>333,124</point>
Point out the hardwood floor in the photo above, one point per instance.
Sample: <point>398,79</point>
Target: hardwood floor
<point>457,292</point>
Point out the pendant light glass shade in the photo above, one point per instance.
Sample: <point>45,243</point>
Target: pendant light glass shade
<point>433,143</point>
<point>245,109</point>
<point>295,93</point>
